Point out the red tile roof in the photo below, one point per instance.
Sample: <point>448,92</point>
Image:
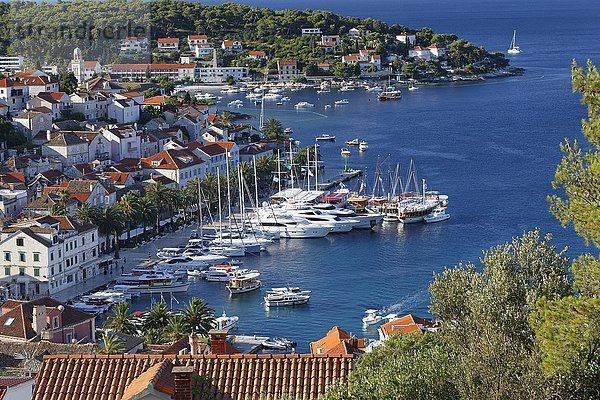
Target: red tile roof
<point>257,53</point>
<point>338,342</point>
<point>172,160</point>
<point>232,377</point>
<point>287,62</point>
<point>406,324</point>
<point>197,37</point>
<point>118,67</point>
<point>168,40</point>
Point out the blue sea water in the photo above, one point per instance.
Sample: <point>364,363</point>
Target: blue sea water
<point>491,146</point>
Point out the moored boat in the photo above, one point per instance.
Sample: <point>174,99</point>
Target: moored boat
<point>437,215</point>
<point>285,297</point>
<point>372,317</point>
<point>325,138</point>
<point>244,283</point>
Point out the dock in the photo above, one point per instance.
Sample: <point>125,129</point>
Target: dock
<point>248,344</point>
<point>337,179</point>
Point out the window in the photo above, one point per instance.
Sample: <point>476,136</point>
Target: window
<point>9,321</point>
<point>22,257</point>
<point>7,271</point>
<point>20,242</point>
<point>93,237</point>
<point>7,256</point>
<point>69,337</point>
<point>55,322</point>
<point>52,271</point>
<point>83,241</point>
<point>52,256</point>
<point>93,252</point>
<point>59,253</point>
<point>36,257</point>
<point>21,271</point>
<point>36,272</point>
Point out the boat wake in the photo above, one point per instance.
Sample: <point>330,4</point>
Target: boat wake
<point>408,304</point>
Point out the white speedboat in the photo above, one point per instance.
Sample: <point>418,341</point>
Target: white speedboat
<point>271,96</point>
<point>353,142</point>
<point>235,103</point>
<point>151,283</point>
<point>325,138</point>
<point>244,283</point>
<point>225,322</point>
<point>372,317</point>
<point>437,215</point>
<point>285,297</point>
<point>346,89</point>
<point>278,343</point>
<point>345,152</point>
<point>288,131</point>
<point>327,106</point>
<point>304,104</point>
<point>208,258</point>
<point>341,102</point>
<point>168,252</point>
<point>286,98</point>
<point>363,146</point>
<point>195,273</point>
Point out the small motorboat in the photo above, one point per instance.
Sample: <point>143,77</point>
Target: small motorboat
<point>341,102</point>
<point>345,152</point>
<point>285,98</point>
<point>288,131</point>
<point>195,273</point>
<point>244,283</point>
<point>278,343</point>
<point>372,317</point>
<point>437,215</point>
<point>304,104</point>
<point>225,323</point>
<point>326,138</point>
<point>363,146</point>
<point>353,142</point>
<point>327,106</point>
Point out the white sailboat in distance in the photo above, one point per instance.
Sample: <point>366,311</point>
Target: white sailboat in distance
<point>514,49</point>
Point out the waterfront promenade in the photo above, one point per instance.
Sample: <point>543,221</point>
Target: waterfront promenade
<point>133,257</point>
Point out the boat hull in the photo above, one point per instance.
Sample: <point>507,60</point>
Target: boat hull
<point>285,303</point>
<point>142,289</point>
<point>241,290</point>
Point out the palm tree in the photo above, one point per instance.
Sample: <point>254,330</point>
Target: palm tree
<point>176,328</point>
<point>173,202</point>
<point>86,213</point>
<point>158,316</point>
<point>111,344</point>
<point>120,320</point>
<point>160,196</point>
<point>153,336</point>
<point>63,197</point>
<point>273,129</point>
<point>110,222</point>
<point>226,119</point>
<point>57,209</point>
<point>130,207</point>
<point>147,212</point>
<point>199,317</point>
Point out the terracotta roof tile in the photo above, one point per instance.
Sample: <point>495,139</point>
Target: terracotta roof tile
<point>406,324</point>
<point>338,342</point>
<point>239,376</point>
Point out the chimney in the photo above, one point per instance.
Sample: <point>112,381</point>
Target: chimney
<point>48,135</point>
<point>217,341</point>
<point>39,319</point>
<point>194,344</point>
<point>184,387</point>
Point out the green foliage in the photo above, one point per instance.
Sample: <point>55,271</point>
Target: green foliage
<point>111,344</point>
<point>578,173</point>
<point>346,70</point>
<point>273,129</point>
<point>198,316</point>
<point>412,366</point>
<point>67,82</point>
<point>151,92</point>
<point>10,135</point>
<point>568,329</point>
<point>119,320</point>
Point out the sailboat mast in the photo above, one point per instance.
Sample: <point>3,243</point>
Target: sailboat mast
<point>308,168</point>
<point>255,180</point>
<point>241,190</point>
<point>316,169</point>
<point>228,194</point>
<point>278,171</point>
<point>199,206</point>
<point>220,212</point>
<point>291,165</point>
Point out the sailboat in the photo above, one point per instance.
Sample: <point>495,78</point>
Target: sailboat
<point>411,85</point>
<point>514,49</point>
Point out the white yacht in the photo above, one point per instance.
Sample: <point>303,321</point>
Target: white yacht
<point>363,146</point>
<point>365,221</point>
<point>168,252</point>
<point>283,297</point>
<point>341,102</point>
<point>151,283</point>
<point>225,322</point>
<point>372,317</point>
<point>227,251</point>
<point>244,283</point>
<point>353,142</point>
<point>437,215</point>
<point>271,96</point>
<point>337,224</point>
<point>304,104</point>
<point>289,227</point>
